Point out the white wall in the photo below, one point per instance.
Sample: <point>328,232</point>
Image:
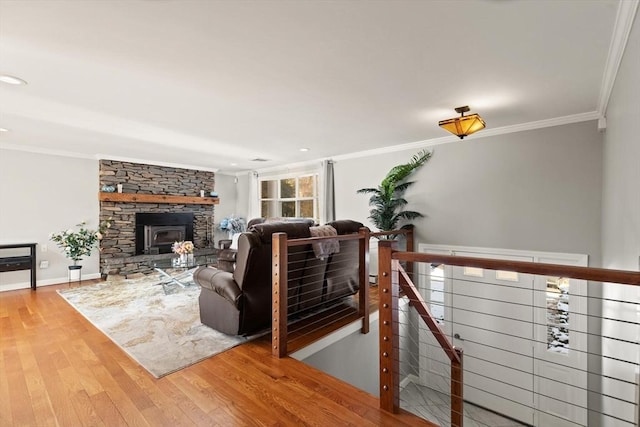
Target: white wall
<point>242,191</point>
<point>621,180</point>
<point>353,359</point>
<point>534,190</point>
<point>227,191</point>
<point>621,222</point>
<point>41,194</point>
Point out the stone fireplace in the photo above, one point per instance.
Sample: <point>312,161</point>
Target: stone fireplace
<point>152,190</point>
<point>156,232</point>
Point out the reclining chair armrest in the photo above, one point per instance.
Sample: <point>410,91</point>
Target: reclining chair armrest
<point>227,260</point>
<point>220,282</point>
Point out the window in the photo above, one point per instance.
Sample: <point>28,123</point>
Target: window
<point>473,271</point>
<point>558,314</point>
<point>437,292</point>
<point>290,197</point>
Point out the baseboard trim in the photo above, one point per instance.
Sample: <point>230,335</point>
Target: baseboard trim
<point>45,282</point>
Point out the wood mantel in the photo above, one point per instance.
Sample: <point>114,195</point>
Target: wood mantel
<point>157,198</point>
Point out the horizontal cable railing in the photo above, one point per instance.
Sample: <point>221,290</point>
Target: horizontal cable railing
<point>311,298</point>
<point>314,292</point>
<point>544,344</point>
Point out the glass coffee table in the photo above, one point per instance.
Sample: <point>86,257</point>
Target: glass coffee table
<point>172,270</point>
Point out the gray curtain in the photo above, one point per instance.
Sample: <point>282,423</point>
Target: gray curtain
<point>328,197</point>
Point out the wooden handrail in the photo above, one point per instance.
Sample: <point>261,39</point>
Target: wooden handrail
<point>569,271</point>
<point>454,353</point>
<point>393,277</point>
<point>416,300</point>
<point>392,232</point>
<point>309,240</point>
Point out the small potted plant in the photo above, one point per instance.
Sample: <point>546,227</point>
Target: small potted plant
<point>76,244</point>
<point>232,225</point>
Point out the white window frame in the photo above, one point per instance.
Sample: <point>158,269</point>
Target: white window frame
<point>278,200</point>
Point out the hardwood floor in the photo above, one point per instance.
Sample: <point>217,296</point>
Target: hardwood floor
<point>57,369</point>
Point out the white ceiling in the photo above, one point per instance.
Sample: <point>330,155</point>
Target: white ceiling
<point>210,83</point>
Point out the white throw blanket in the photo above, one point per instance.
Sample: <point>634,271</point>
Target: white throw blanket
<point>324,248</point>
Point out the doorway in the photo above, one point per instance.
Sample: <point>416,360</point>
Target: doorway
<point>523,336</point>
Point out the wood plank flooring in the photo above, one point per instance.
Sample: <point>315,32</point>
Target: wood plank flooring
<point>57,369</point>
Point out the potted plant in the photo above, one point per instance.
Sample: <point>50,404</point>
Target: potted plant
<point>232,225</point>
<point>387,199</point>
<point>76,244</point>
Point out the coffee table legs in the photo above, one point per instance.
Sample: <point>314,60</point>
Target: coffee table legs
<point>178,279</point>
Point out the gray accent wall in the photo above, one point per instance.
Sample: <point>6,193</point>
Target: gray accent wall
<point>533,190</point>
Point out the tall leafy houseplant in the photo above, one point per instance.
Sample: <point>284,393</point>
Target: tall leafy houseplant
<point>387,199</point>
<point>76,244</point>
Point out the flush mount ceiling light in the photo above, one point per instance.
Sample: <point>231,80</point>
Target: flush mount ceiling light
<point>464,125</point>
<point>4,130</point>
<point>5,78</point>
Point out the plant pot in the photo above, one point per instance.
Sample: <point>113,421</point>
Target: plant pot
<point>75,273</point>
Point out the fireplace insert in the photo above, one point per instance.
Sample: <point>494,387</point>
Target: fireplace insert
<point>156,232</point>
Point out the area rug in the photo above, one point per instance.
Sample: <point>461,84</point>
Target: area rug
<point>162,332</point>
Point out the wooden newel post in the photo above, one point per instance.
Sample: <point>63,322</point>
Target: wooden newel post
<point>389,336</point>
<point>410,248</point>
<point>457,384</point>
<point>363,302</point>
<point>279,294</point>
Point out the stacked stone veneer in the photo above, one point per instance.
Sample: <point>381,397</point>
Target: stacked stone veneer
<point>117,254</point>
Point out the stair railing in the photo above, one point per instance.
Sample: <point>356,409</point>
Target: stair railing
<point>394,279</point>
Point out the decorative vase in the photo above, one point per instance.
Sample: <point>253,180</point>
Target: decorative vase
<point>183,259</point>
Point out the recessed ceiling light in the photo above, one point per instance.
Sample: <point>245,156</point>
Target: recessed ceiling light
<point>4,130</point>
<point>234,164</point>
<point>304,149</point>
<point>11,80</point>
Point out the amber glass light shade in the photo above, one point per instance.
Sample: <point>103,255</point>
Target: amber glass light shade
<point>464,125</point>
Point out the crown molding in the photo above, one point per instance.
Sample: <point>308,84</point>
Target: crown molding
<point>153,162</point>
<point>621,30</point>
<point>39,150</point>
<point>539,124</point>
<point>62,153</point>
<point>556,121</point>
<point>307,164</point>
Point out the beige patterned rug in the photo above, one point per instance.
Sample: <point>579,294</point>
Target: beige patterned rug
<point>160,331</point>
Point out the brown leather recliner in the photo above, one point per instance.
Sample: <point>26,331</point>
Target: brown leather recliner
<point>227,256</point>
<point>239,302</point>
